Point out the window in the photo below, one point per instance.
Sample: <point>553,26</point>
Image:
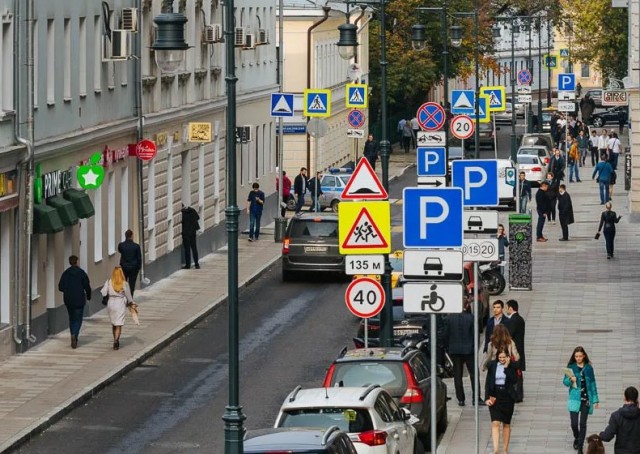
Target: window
<point>124,201</point>
<point>97,54</point>
<point>51,59</point>
<point>5,265</point>
<point>585,70</point>
<point>36,63</point>
<point>6,68</point>
<point>383,409</point>
<point>67,61</point>
<point>170,243</point>
<point>82,58</point>
<point>151,199</point>
<point>258,148</point>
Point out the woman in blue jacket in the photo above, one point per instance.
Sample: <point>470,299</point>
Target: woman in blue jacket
<point>583,394</point>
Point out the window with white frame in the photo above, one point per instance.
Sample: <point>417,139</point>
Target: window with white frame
<point>124,201</point>
<point>35,261</point>
<point>186,178</point>
<point>111,213</point>
<point>151,199</point>
<point>67,61</point>
<point>97,54</point>
<point>6,71</point>
<point>5,264</point>
<point>585,70</point>
<point>50,272</point>
<point>97,225</point>
<point>51,60</point>
<point>82,57</point>
<point>201,174</point>
<point>258,149</point>
<point>170,222</point>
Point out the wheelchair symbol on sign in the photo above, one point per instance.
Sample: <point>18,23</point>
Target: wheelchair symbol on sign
<point>435,302</point>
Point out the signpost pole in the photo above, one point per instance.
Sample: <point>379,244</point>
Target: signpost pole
<point>476,334</point>
<point>434,383</point>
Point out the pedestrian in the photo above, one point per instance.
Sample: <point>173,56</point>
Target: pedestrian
<point>552,194</point>
<point>622,119</point>
<point>500,340</point>
<point>300,185</point>
<point>608,221</point>
<point>503,242</point>
<point>498,318</point>
<point>415,126</point>
<point>130,259</point>
<point>315,189</point>
<point>578,89</point>
<point>613,148</point>
<point>603,170</point>
<point>603,142</point>
<point>190,227</point>
<point>573,161</point>
<point>612,182</point>
<point>543,207</point>
<point>593,145</point>
<point>286,192</point>
<point>517,328</point>
<point>624,424</point>
<point>583,146</point>
<point>557,165</point>
<point>459,337</point>
<point>117,290</point>
<point>255,204</point>
<point>500,397</point>
<point>565,212</point>
<point>400,128</point>
<point>408,136</point>
<point>371,151</point>
<point>525,192</point>
<point>587,106</point>
<point>76,290</point>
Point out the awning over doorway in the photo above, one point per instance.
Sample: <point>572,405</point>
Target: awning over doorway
<point>46,219</point>
<point>66,210</point>
<point>81,202</point>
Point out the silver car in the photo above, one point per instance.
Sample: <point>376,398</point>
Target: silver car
<point>331,185</point>
<point>520,108</point>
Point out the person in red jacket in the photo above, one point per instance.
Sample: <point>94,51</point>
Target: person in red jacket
<point>286,192</point>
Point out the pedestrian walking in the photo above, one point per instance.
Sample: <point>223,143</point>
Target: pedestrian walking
<point>371,151</point>
<point>580,378</point>
<point>573,161</point>
<point>498,318</point>
<point>556,166</point>
<point>503,242</point>
<point>76,290</point>
<point>552,195</point>
<point>255,204</point>
<point>603,171</point>
<point>608,221</point>
<point>415,126</point>
<point>400,128</point>
<point>190,227</point>
<point>603,142</point>
<point>300,185</point>
<point>286,192</point>
<point>543,208</point>
<point>565,212</point>
<point>525,192</point>
<point>500,340</point>
<point>614,148</point>
<point>408,136</point>
<point>517,328</point>
<point>117,290</point>
<point>315,189</point>
<point>587,106</point>
<point>622,120</point>
<point>130,259</point>
<point>583,146</point>
<point>500,397</point>
<point>593,145</point>
<point>624,425</point>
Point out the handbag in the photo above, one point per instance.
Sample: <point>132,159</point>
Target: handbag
<point>597,237</point>
<point>105,300</point>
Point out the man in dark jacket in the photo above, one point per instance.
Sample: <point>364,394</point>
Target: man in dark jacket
<point>587,106</point>
<point>130,259</point>
<point>556,166</point>
<point>300,185</point>
<point>525,192</point>
<point>76,289</point>
<point>190,226</point>
<point>371,151</point>
<point>316,192</point>
<point>565,211</point>
<point>624,424</point>
<point>498,317</point>
<point>516,328</point>
<point>543,206</point>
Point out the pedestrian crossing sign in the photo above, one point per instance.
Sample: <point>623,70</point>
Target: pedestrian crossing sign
<point>564,53</point>
<point>550,61</point>
<point>364,227</point>
<point>497,98</point>
<point>357,95</point>
<point>317,103</point>
<point>484,114</point>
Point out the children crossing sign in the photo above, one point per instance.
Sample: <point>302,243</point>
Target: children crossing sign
<point>357,95</point>
<point>364,227</point>
<point>317,103</point>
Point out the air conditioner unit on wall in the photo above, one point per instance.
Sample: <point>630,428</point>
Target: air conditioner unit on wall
<point>249,41</point>
<point>129,18</point>
<point>120,45</point>
<point>212,34</point>
<point>263,36</point>
<point>238,35</point>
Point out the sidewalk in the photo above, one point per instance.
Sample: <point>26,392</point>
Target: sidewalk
<point>578,298</point>
<point>41,385</point>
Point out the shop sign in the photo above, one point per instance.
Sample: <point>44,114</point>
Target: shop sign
<point>8,183</point>
<point>53,183</point>
<point>112,155</point>
<point>91,175</point>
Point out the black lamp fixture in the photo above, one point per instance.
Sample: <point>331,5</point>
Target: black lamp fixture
<point>169,45</point>
<point>418,37</point>
<point>455,32</point>
<point>495,31</point>
<point>348,41</point>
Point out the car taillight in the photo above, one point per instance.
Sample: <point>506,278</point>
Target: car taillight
<point>546,160</point>
<point>536,169</point>
<point>373,438</point>
<point>285,246</point>
<point>329,376</point>
<point>413,394</point>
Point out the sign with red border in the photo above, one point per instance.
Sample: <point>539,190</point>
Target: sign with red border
<point>146,150</point>
<point>431,116</point>
<point>364,297</point>
<point>364,184</point>
<point>462,127</point>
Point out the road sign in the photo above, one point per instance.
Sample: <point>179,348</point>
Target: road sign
<point>564,53</point>
<point>478,178</point>
<point>364,264</point>
<point>431,116</point>
<point>364,297</point>
<point>357,95</point>
<point>432,161</point>
<point>356,118</point>
<point>566,82</point>
<point>480,221</point>
<point>434,182</point>
<point>432,217</point>
<point>497,98</point>
<point>364,227</point>
<point>566,96</point>
<point>317,103</point>
<point>524,77</point>
<point>364,184</point>
<point>462,127</point>
<point>615,98</point>
<point>483,110</point>
<point>441,265</point>
<point>510,176</point>
<point>566,106</point>
<point>480,250</point>
<point>282,104</point>
<point>430,139</point>
<point>355,133</point>
<point>525,98</point>
<point>523,89</point>
<point>146,150</point>
<point>550,61</point>
<point>462,102</point>
<point>432,297</point>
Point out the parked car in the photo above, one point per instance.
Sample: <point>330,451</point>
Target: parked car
<point>504,116</point>
<point>547,112</point>
<point>536,150</point>
<point>596,95</point>
<point>486,135</point>
<point>534,168</point>
<point>404,372</point>
<point>520,108</point>
<point>298,440</point>
<point>375,423</point>
<point>505,191</point>
<point>541,139</point>
<point>610,115</point>
<point>311,245</point>
<point>331,184</point>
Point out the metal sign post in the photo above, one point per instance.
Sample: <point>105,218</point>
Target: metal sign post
<point>476,334</point>
<point>434,382</point>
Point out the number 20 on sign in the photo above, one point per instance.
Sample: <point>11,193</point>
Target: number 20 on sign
<point>365,297</point>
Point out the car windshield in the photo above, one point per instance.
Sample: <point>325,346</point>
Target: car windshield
<point>314,229</point>
<point>351,420</point>
<point>527,159</point>
<point>455,152</point>
<point>531,151</point>
<point>388,374</point>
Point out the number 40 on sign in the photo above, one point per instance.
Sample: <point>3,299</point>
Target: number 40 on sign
<point>365,297</point>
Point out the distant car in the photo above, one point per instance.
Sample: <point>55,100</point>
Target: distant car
<point>504,116</point>
<point>547,112</point>
<point>543,139</point>
<point>536,150</point>
<point>298,440</point>
<point>519,107</point>
<point>486,135</point>
<point>596,95</point>
<point>610,115</point>
<point>535,170</point>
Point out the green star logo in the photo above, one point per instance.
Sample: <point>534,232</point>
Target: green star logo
<point>91,176</point>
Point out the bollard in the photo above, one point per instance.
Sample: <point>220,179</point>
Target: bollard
<point>280,229</point>
<point>627,168</point>
<point>520,244</point>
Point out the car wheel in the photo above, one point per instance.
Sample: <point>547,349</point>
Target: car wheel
<point>334,205</point>
<point>291,204</point>
<point>443,420</point>
<point>597,122</point>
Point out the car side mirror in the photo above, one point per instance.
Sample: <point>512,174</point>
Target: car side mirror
<point>406,414</point>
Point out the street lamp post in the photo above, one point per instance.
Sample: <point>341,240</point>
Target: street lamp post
<point>530,68</point>
<point>539,28</point>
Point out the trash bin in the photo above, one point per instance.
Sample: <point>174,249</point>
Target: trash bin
<point>520,243</point>
<point>281,227</point>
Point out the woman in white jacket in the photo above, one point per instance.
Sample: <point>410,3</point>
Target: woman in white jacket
<point>117,289</point>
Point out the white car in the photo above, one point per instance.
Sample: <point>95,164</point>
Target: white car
<point>374,422</point>
<point>504,116</point>
<point>520,108</point>
<point>505,191</point>
<point>535,170</point>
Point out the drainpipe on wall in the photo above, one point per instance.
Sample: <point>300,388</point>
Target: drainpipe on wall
<point>326,10</point>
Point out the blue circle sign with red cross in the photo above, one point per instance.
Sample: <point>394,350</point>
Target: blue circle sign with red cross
<point>356,118</point>
<point>524,77</point>
<point>431,116</point>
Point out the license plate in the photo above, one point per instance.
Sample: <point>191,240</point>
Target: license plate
<point>315,249</point>
<point>402,332</point>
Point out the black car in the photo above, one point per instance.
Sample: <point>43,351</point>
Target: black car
<point>611,115</point>
<point>298,440</point>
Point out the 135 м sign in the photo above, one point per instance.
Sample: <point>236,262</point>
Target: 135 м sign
<point>364,264</point>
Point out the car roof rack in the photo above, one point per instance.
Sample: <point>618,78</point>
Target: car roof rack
<point>367,391</point>
<point>294,393</point>
<point>327,434</point>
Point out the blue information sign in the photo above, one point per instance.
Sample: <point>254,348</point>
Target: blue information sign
<point>432,218</point>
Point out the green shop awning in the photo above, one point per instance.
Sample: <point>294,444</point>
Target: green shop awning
<point>81,202</point>
<point>67,212</point>
<point>46,219</point>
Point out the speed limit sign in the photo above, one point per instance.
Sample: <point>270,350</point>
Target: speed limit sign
<point>462,127</point>
<point>480,250</point>
<point>365,297</point>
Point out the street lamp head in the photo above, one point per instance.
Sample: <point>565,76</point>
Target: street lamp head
<point>455,31</point>
<point>169,44</point>
<point>418,39</point>
<point>348,41</point>
<point>495,31</point>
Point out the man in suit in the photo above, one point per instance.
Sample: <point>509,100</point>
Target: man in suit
<point>516,328</point>
<point>565,211</point>
<point>498,317</point>
<point>130,259</point>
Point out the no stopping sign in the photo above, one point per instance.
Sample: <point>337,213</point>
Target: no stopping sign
<point>364,297</point>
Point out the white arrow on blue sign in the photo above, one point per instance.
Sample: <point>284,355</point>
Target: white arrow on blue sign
<point>432,218</point>
<point>566,82</point>
<point>432,161</point>
<point>478,178</point>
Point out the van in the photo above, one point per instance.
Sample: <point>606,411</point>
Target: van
<point>505,191</point>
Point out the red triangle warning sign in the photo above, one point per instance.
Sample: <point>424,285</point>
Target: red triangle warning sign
<point>364,184</point>
<point>364,234</point>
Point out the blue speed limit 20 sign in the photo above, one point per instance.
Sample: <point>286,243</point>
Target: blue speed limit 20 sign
<point>462,127</point>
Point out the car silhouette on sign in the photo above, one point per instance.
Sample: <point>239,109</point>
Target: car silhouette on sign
<point>433,266</point>
<point>474,223</point>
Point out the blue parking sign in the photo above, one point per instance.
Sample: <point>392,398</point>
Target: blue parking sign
<point>478,179</point>
<point>566,82</point>
<point>432,161</point>
<point>432,218</point>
